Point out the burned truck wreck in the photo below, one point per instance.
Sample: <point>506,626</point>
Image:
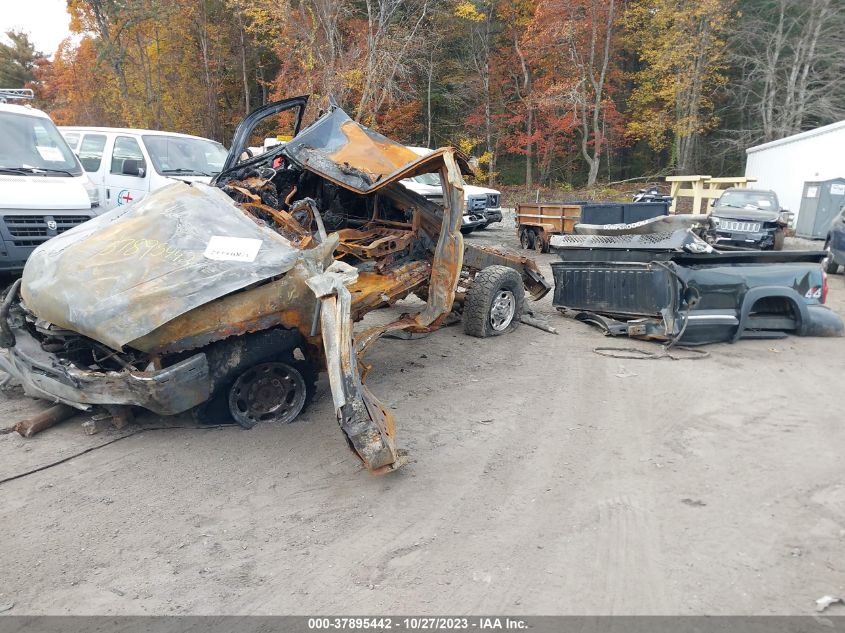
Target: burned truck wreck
<point>227,300</point>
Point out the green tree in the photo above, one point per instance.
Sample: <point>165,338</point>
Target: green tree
<point>18,60</point>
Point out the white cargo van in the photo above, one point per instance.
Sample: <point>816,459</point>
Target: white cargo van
<point>125,164</point>
<point>43,189</point>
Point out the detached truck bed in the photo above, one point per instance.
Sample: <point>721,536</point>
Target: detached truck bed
<point>696,298</point>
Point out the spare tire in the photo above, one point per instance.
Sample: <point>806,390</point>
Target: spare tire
<point>494,303</point>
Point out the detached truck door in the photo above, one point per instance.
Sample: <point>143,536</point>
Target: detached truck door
<point>128,175</point>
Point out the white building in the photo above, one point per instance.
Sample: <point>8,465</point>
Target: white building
<point>786,164</point>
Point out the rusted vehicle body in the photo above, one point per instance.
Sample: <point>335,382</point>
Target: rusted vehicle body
<point>228,299</point>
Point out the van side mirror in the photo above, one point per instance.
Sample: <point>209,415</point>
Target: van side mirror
<point>133,167</point>
<point>713,202</point>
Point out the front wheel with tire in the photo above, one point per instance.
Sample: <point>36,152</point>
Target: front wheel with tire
<point>779,239</point>
<point>540,244</point>
<point>829,264</point>
<point>494,303</point>
<point>269,392</point>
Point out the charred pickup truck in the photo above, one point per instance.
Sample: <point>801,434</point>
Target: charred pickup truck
<point>227,300</point>
<point>672,286</point>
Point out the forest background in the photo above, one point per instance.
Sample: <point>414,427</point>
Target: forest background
<point>551,93</point>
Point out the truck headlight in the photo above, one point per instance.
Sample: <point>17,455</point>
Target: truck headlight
<point>93,193</point>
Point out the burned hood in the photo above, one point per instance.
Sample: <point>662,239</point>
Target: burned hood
<point>125,273</point>
<point>358,158</point>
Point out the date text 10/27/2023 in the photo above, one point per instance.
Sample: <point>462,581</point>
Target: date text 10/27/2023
<point>417,623</point>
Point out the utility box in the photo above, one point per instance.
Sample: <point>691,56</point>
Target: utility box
<point>821,202</point>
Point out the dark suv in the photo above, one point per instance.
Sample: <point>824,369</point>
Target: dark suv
<point>748,218</point>
<point>834,245</point>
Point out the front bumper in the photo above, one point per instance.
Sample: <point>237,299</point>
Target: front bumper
<point>761,240</point>
<point>493,215</point>
<point>471,222</point>
<point>166,391</point>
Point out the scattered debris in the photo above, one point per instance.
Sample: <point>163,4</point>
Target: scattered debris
<point>529,317</point>
<point>677,352</point>
<point>625,374</point>
<point>697,503</point>
<point>45,419</point>
<point>97,423</point>
<point>825,601</point>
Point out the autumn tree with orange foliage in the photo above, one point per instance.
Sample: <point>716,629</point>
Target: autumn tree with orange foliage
<point>541,91</point>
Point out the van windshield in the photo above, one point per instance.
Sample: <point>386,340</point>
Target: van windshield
<point>178,155</point>
<point>33,145</point>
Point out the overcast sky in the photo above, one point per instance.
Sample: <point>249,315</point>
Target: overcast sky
<point>46,21</point>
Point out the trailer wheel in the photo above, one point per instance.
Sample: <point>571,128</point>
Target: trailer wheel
<point>540,244</point>
<point>494,303</point>
<point>526,238</point>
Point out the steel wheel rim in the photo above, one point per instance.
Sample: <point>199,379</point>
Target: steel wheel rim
<point>271,392</point>
<point>827,257</point>
<point>502,310</point>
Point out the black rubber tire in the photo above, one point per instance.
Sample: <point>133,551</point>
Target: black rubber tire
<point>526,238</point>
<point>215,410</point>
<point>488,283</point>
<point>779,239</point>
<point>830,266</point>
<point>540,245</point>
<point>467,231</point>
<point>239,404</point>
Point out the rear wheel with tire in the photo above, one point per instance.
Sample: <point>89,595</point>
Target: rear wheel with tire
<point>540,244</point>
<point>494,303</point>
<point>829,264</point>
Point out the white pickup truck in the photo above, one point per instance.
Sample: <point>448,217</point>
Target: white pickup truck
<point>483,206</point>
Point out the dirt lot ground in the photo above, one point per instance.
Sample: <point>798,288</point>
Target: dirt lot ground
<point>545,479</point>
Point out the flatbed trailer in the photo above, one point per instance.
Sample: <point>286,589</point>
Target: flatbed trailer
<point>536,222</point>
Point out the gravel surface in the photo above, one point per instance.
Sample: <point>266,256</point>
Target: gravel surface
<point>544,479</point>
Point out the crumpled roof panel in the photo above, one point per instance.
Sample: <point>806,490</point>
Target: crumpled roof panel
<point>358,158</point>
